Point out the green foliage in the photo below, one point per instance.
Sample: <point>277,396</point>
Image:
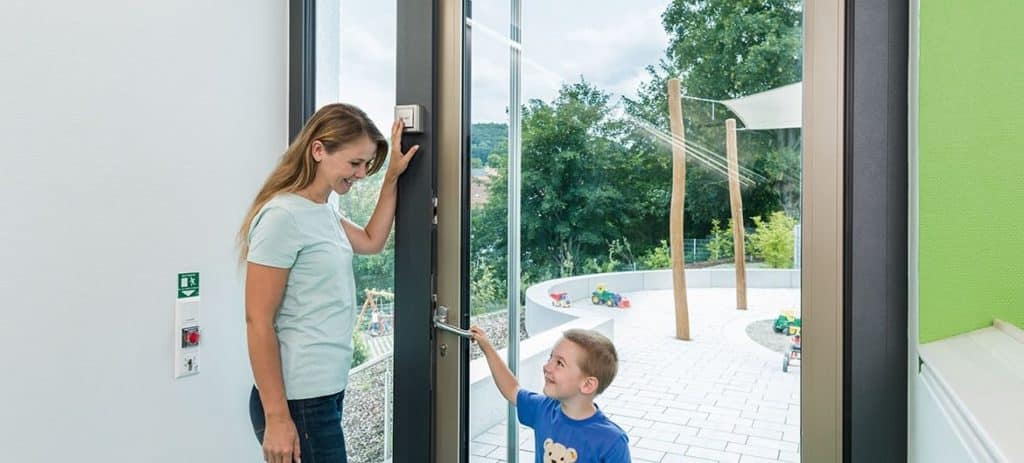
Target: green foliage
<point>720,245</point>
<point>589,195</point>
<point>732,48</point>
<point>723,49</point>
<point>656,258</point>
<point>773,240</point>
<point>361,351</point>
<point>485,292</point>
<point>595,186</point>
<point>485,138</point>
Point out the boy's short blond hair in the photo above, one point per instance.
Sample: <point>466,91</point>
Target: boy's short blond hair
<point>600,359</point>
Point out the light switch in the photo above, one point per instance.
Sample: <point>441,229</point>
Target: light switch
<point>411,116</point>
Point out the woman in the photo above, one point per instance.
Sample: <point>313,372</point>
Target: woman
<point>299,286</point>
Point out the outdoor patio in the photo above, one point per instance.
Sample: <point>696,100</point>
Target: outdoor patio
<point>721,397</point>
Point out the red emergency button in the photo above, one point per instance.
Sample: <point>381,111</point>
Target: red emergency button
<point>190,336</point>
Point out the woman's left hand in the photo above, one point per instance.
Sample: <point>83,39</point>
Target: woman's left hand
<point>399,161</point>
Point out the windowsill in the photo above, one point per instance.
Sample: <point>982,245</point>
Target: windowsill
<point>978,380</point>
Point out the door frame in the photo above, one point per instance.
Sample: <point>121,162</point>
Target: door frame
<point>821,273</point>
<point>430,419</point>
<point>417,82</point>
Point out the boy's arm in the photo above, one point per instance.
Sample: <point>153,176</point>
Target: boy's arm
<point>503,377</point>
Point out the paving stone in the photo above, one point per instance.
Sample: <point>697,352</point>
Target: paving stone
<point>713,455</point>
<point>709,399</point>
<point>752,450</point>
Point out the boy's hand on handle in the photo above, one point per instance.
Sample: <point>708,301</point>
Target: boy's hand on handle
<point>480,337</point>
<point>399,161</point>
<point>281,441</point>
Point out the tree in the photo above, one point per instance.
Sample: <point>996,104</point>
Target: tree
<point>588,196</point>
<point>723,49</point>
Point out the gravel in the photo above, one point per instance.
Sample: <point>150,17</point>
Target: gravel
<point>370,389</point>
<point>762,333</point>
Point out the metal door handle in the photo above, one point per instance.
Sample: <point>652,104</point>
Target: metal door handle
<point>441,322</point>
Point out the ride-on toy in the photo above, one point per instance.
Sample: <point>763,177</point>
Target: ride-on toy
<point>560,299</point>
<point>787,323</point>
<point>604,297</point>
<point>792,352</point>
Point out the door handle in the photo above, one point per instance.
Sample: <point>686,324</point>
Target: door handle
<point>441,323</point>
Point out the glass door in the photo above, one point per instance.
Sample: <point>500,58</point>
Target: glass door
<point>556,175</point>
<point>567,160</point>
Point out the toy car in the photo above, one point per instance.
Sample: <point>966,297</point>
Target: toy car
<point>787,323</point>
<point>604,297</point>
<point>560,299</point>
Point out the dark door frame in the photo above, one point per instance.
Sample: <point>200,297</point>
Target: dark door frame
<point>875,231</point>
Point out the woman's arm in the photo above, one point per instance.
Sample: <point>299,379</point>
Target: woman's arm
<point>264,288</point>
<point>371,239</point>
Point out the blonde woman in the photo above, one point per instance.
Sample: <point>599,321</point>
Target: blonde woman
<point>299,287</point>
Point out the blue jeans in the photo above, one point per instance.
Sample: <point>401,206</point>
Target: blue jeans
<point>318,422</point>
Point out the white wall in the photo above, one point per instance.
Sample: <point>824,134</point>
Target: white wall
<point>132,137</point>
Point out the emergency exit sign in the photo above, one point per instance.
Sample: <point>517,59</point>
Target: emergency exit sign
<point>188,285</point>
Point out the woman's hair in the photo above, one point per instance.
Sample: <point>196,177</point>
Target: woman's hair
<point>334,125</point>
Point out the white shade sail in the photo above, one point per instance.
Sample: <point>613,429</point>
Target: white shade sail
<point>778,108</point>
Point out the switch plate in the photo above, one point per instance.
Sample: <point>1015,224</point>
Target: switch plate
<point>186,321</point>
<point>412,116</point>
<point>190,365</point>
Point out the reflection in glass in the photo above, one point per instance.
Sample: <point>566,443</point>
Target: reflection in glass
<point>596,179</point>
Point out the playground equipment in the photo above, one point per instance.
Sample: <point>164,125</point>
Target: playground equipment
<point>560,300</point>
<point>604,297</point>
<point>384,319</point>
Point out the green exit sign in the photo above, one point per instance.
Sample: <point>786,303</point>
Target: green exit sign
<point>188,284</point>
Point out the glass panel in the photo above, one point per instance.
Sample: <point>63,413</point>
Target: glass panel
<point>356,62</point>
<point>488,29</point>
<point>596,191</point>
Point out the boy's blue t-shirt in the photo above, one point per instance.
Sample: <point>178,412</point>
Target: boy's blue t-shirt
<point>560,439</point>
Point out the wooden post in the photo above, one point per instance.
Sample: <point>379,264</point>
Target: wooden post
<point>736,204</point>
<point>675,111</point>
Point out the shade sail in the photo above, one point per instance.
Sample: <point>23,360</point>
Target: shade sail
<point>778,108</point>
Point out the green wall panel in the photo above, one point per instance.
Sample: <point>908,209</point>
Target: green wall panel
<point>971,166</point>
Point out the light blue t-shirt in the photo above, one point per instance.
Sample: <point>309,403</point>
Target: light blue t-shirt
<point>559,438</point>
<point>317,315</point>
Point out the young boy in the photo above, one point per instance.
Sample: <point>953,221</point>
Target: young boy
<point>567,425</point>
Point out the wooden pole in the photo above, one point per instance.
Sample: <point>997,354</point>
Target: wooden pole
<point>675,112</point>
<point>736,204</point>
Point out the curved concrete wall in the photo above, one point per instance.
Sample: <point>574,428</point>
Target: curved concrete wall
<point>542,316</point>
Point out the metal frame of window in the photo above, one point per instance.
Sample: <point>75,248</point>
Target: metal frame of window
<point>301,63</point>
<point>875,231</point>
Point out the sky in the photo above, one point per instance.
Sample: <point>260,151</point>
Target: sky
<point>607,42</point>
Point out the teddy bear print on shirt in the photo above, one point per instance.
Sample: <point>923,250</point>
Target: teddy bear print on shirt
<point>558,453</point>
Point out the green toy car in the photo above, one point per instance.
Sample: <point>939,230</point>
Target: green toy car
<point>787,323</point>
<point>604,297</point>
